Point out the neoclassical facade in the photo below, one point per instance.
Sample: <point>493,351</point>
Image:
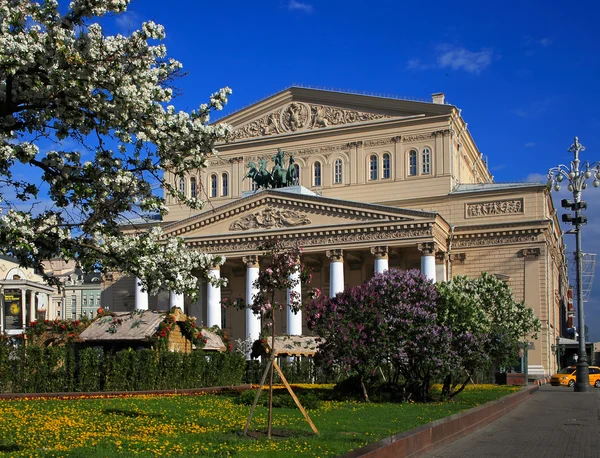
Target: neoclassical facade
<point>382,183</point>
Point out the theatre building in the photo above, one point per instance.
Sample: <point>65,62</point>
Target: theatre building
<point>381,183</point>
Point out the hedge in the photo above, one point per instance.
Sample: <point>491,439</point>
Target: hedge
<point>31,369</point>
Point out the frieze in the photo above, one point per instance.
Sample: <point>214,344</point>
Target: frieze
<point>378,142</point>
<point>301,116</point>
<point>495,208</point>
<point>268,219</point>
<point>486,241</point>
<point>308,240</point>
<point>417,138</point>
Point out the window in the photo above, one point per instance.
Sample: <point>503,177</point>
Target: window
<point>213,185</point>
<point>297,167</point>
<point>412,162</point>
<point>426,161</point>
<point>373,167</point>
<point>254,186</point>
<point>317,174</point>
<point>337,171</point>
<point>193,187</point>
<point>386,166</point>
<point>91,301</point>
<point>182,186</point>
<point>224,184</point>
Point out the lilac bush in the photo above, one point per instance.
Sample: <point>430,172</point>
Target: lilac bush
<point>390,322</point>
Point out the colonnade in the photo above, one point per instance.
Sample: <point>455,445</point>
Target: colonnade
<point>294,319</point>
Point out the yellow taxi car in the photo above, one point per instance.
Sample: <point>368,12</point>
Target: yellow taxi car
<point>566,377</point>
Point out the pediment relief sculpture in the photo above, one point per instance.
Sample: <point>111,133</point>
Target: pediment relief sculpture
<point>270,219</point>
<point>302,116</point>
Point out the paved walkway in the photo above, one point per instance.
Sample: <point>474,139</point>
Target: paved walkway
<point>555,422</point>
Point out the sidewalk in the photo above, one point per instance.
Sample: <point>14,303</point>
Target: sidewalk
<point>554,422</point>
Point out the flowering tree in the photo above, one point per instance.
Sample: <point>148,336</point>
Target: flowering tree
<point>100,103</point>
<point>487,325</point>
<point>388,321</point>
<point>283,274</point>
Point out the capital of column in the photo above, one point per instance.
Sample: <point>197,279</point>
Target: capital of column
<point>335,255</point>
<point>215,266</point>
<point>427,248</point>
<point>457,258</point>
<point>441,256</point>
<point>531,254</point>
<point>250,260</point>
<point>380,252</point>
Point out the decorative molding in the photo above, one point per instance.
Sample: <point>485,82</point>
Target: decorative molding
<point>427,248</point>
<point>335,255</point>
<point>495,208</point>
<point>380,252</point>
<point>531,254</point>
<point>417,137</point>
<point>309,239</point>
<point>379,142</point>
<point>457,258</point>
<point>397,139</point>
<point>270,218</point>
<point>298,116</point>
<point>250,261</point>
<point>494,240</point>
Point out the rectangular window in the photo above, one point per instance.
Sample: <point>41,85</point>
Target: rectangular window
<point>337,175</point>
<point>412,169</point>
<point>386,166</point>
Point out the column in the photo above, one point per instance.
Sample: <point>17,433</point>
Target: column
<point>440,266</point>
<point>252,320</point>
<point>428,260</point>
<point>31,306</point>
<point>294,319</point>
<point>381,258</point>
<point>213,298</point>
<point>141,296</point>
<point>176,300</point>
<point>336,271</point>
<point>24,308</point>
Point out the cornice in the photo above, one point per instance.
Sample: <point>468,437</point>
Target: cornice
<point>299,202</point>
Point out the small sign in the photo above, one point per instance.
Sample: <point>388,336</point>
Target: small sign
<point>12,309</point>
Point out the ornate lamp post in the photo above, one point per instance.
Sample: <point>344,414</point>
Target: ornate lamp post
<point>576,174</point>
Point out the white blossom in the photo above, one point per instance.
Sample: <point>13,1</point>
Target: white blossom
<point>63,79</point>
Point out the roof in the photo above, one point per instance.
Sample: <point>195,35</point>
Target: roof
<point>128,326</point>
<point>464,188</point>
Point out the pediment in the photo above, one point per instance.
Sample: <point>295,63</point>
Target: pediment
<point>299,109</point>
<point>274,211</point>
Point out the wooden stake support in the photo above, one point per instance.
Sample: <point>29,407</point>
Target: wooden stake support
<point>273,363</point>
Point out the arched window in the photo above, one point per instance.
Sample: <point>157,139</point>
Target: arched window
<point>193,187</point>
<point>213,185</point>
<point>317,174</point>
<point>386,166</point>
<point>412,162</point>
<point>254,185</point>
<point>337,171</point>
<point>426,161</point>
<point>297,167</point>
<point>182,186</point>
<point>373,167</point>
<point>224,184</point>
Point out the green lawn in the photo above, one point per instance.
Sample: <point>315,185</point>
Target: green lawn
<point>207,425</point>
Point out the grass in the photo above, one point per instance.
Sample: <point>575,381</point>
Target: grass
<point>207,425</point>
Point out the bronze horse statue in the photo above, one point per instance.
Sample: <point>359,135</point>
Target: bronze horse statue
<point>279,177</point>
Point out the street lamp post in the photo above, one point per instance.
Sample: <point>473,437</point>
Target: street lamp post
<point>576,175</point>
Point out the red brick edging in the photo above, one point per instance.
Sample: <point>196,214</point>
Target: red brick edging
<point>423,439</point>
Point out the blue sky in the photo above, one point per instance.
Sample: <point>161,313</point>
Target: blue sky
<point>524,73</point>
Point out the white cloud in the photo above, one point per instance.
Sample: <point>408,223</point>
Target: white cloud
<point>544,42</point>
<point>536,109</point>
<point>529,145</point>
<point>295,5</point>
<point>456,59</point>
<point>463,59</point>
